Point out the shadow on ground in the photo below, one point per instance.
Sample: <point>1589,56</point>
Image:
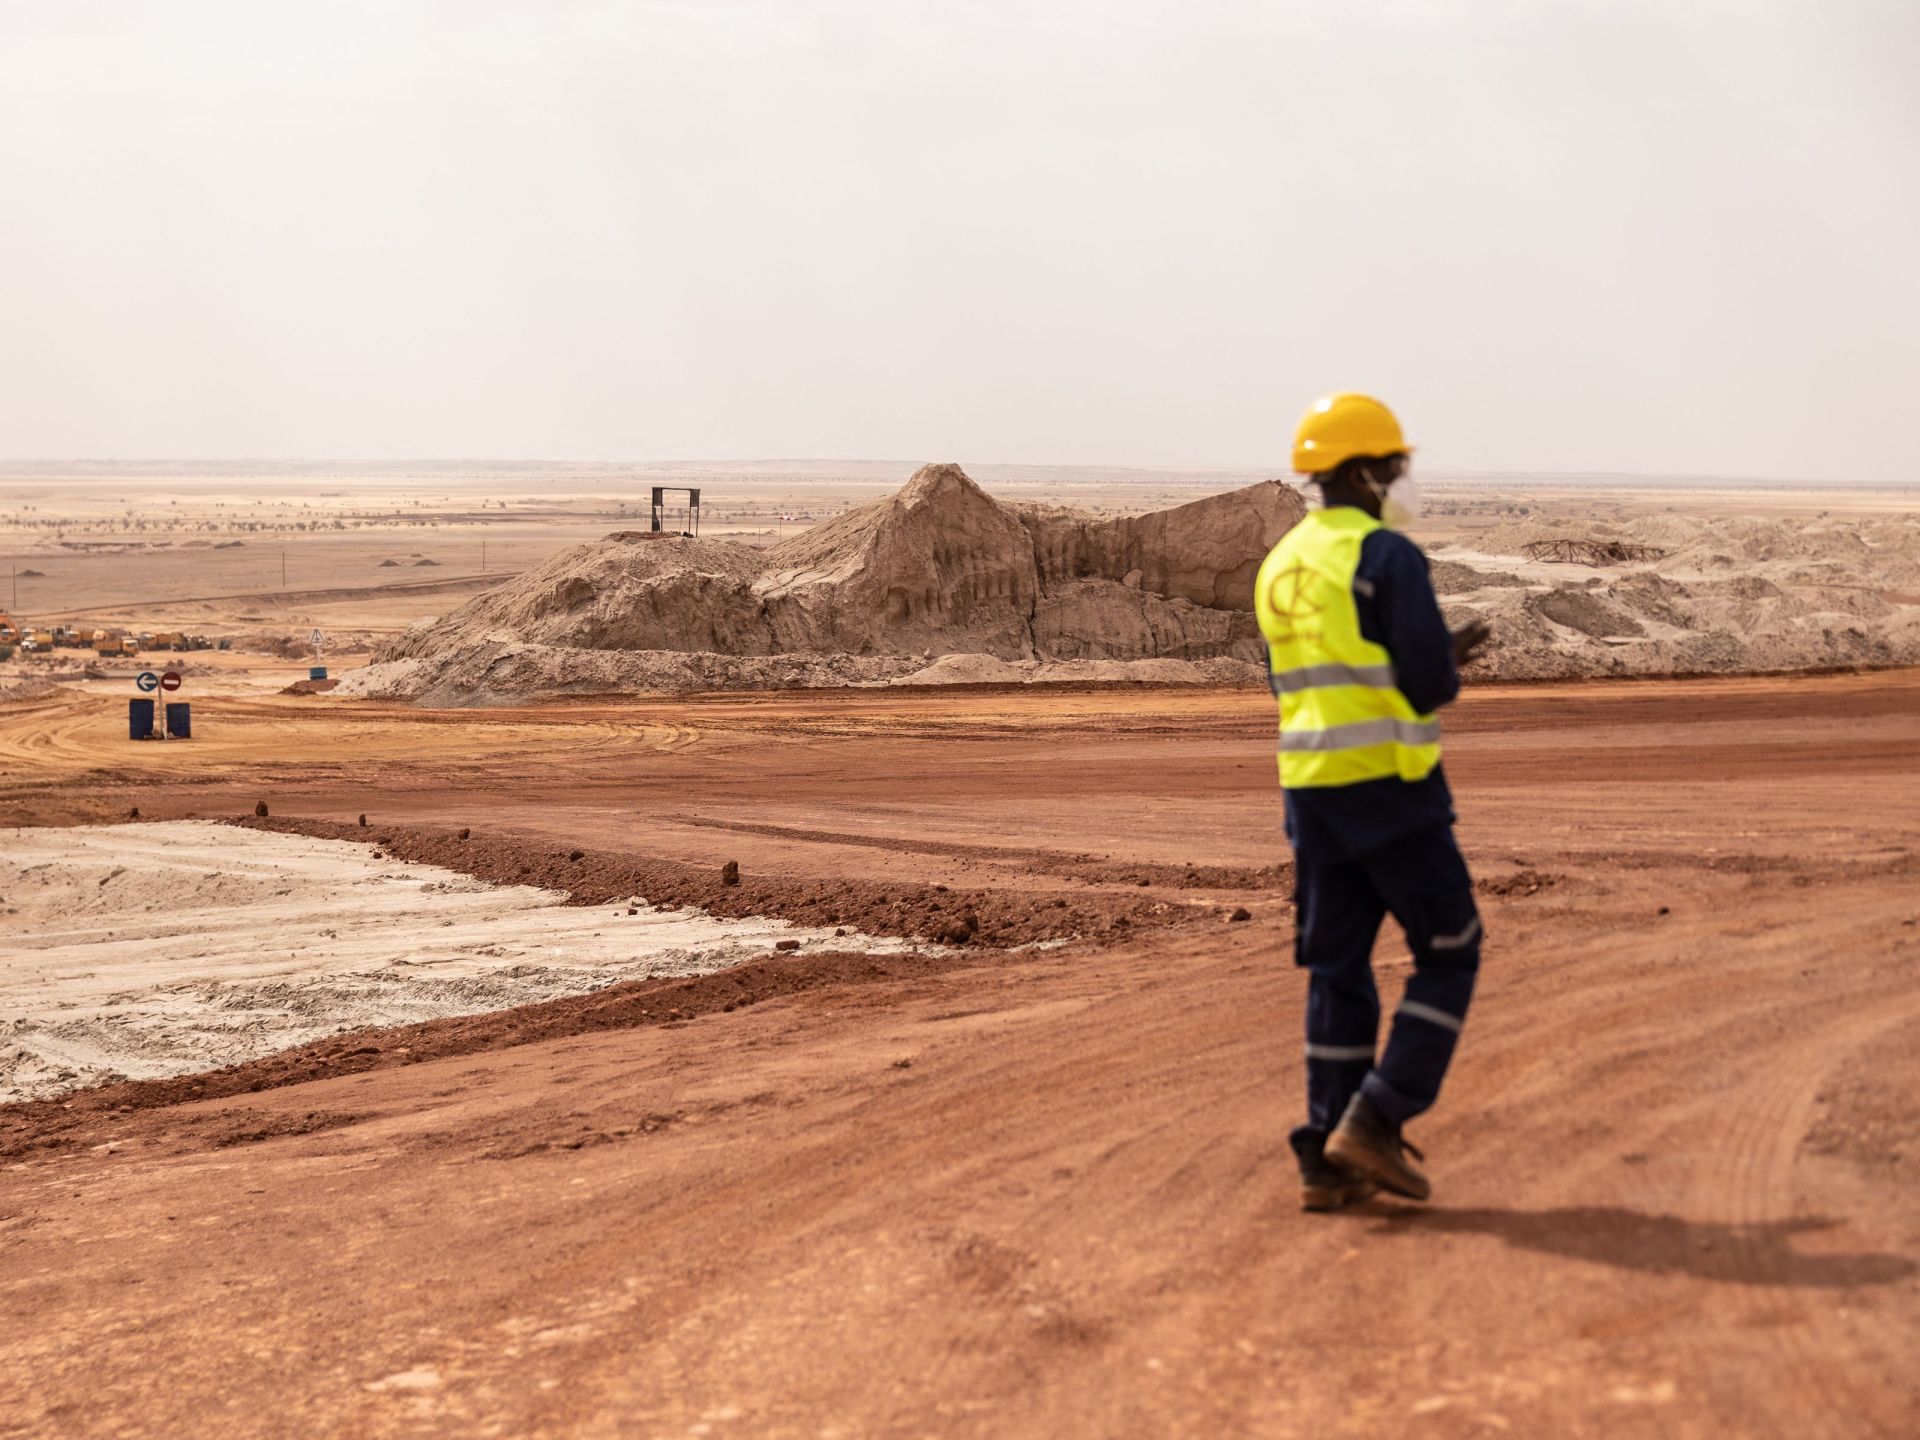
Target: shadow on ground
<point>1758,1254</point>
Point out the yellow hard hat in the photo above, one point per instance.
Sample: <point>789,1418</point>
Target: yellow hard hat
<point>1336,428</point>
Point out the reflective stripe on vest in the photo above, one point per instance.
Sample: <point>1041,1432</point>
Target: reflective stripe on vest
<point>1362,732</point>
<point>1342,719</point>
<point>1306,677</point>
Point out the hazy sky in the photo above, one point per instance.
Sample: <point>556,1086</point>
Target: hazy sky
<point>1669,237</point>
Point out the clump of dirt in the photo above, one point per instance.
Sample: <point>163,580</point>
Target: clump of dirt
<point>1521,882</point>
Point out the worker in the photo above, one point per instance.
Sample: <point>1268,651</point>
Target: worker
<point>1359,658</point>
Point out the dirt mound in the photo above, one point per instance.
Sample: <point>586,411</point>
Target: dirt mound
<point>29,687</point>
<point>968,670</point>
<point>940,568</point>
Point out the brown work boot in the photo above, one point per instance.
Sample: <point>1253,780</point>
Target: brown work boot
<point>1324,1186</point>
<point>1368,1146</point>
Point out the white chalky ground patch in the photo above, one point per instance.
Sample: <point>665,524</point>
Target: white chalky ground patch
<point>140,951</point>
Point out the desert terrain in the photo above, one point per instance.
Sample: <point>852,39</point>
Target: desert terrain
<point>995,1145</point>
<point>421,565</point>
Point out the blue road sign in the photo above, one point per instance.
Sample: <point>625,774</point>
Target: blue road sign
<point>147,681</point>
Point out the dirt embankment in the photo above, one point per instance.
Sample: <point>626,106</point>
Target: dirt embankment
<point>937,913</point>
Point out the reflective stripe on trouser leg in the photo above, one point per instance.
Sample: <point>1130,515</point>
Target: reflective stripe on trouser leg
<point>1431,895</point>
<point>1337,914</point>
<point>1339,1014</point>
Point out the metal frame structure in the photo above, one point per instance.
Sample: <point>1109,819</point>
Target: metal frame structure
<point>1590,552</point>
<point>660,509</point>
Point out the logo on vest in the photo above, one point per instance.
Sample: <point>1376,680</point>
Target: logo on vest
<point>1289,600</point>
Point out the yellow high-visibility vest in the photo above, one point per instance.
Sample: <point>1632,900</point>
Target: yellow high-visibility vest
<point>1342,720</point>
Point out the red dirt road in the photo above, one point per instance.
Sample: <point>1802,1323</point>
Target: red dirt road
<point>1021,1193</point>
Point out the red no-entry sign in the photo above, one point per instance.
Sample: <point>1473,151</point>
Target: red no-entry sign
<point>170,680</point>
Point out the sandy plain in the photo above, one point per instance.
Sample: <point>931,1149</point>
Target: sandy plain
<point>999,1191</point>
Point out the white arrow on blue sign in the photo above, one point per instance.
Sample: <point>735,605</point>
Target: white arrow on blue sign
<point>147,681</point>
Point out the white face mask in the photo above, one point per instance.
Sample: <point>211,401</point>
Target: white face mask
<point>1400,506</point>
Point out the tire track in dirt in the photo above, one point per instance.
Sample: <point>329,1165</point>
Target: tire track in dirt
<point>1757,1198</point>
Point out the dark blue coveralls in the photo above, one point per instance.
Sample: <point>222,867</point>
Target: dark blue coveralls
<point>1380,847</point>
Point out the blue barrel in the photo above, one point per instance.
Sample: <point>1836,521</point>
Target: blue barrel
<point>139,719</point>
<point>179,719</point>
<point>318,672</point>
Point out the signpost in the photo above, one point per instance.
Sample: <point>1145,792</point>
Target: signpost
<point>174,721</point>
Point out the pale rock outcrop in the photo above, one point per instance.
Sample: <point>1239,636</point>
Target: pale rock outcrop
<point>1105,620</point>
<point>1206,552</point>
